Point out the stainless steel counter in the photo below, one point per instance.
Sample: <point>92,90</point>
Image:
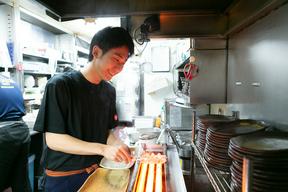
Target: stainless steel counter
<point>175,179</point>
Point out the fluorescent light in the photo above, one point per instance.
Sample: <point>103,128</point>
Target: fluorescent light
<point>89,27</point>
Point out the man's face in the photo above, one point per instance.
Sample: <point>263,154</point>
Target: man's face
<point>111,63</point>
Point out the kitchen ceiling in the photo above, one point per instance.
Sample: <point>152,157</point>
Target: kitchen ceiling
<point>80,8</point>
<point>178,18</point>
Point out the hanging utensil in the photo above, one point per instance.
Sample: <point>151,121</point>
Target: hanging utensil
<point>190,69</point>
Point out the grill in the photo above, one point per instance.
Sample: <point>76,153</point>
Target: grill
<point>150,170</point>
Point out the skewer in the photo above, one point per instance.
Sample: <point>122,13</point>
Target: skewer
<point>137,177</point>
<point>150,178</point>
<point>142,177</point>
<point>158,187</point>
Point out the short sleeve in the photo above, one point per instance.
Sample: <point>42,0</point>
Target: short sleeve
<point>53,111</point>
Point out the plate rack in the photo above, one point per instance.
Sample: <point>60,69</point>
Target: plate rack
<point>220,180</point>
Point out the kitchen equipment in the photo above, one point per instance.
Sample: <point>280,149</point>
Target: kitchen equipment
<point>185,156</point>
<point>150,171</point>
<point>179,115</point>
<point>184,148</point>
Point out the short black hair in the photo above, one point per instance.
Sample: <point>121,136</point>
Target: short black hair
<point>111,37</point>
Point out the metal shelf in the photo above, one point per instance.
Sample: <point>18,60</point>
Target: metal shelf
<point>9,69</point>
<point>43,21</point>
<point>220,180</point>
<point>64,62</point>
<point>35,57</point>
<point>38,73</point>
<point>8,2</point>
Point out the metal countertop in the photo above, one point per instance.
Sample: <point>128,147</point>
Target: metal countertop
<point>175,179</point>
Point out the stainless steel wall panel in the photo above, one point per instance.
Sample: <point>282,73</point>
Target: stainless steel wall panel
<point>210,84</point>
<point>257,58</point>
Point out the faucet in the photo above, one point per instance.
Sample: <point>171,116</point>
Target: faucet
<point>166,129</point>
<point>184,151</point>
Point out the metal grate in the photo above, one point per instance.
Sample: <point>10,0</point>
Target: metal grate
<point>220,180</point>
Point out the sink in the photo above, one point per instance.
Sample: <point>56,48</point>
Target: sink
<point>134,135</point>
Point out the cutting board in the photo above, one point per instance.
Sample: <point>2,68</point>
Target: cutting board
<point>103,180</point>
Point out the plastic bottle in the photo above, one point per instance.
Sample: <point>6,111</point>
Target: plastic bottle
<point>158,121</point>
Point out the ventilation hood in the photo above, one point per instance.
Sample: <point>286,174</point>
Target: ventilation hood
<point>181,18</point>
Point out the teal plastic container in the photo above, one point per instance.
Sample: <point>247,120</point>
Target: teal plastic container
<point>31,171</point>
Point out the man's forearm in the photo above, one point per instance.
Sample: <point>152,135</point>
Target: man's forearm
<point>68,144</point>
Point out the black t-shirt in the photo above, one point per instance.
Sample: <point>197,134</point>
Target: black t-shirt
<point>72,105</point>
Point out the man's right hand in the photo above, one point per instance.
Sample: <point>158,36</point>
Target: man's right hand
<point>117,153</point>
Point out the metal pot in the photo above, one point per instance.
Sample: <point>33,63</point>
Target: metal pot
<point>185,155</point>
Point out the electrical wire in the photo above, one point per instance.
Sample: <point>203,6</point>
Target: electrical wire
<point>140,51</point>
<point>138,36</point>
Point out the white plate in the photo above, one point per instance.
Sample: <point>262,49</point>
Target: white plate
<point>108,164</point>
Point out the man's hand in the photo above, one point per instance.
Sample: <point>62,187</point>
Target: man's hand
<point>117,153</point>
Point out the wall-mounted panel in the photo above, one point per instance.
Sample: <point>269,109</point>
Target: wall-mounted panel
<point>258,59</point>
<point>209,86</point>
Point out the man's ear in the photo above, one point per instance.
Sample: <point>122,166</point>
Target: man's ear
<point>96,52</point>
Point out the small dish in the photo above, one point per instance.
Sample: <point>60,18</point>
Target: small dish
<point>109,164</point>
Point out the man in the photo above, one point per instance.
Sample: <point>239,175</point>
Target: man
<point>78,114</point>
<point>14,138</point>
